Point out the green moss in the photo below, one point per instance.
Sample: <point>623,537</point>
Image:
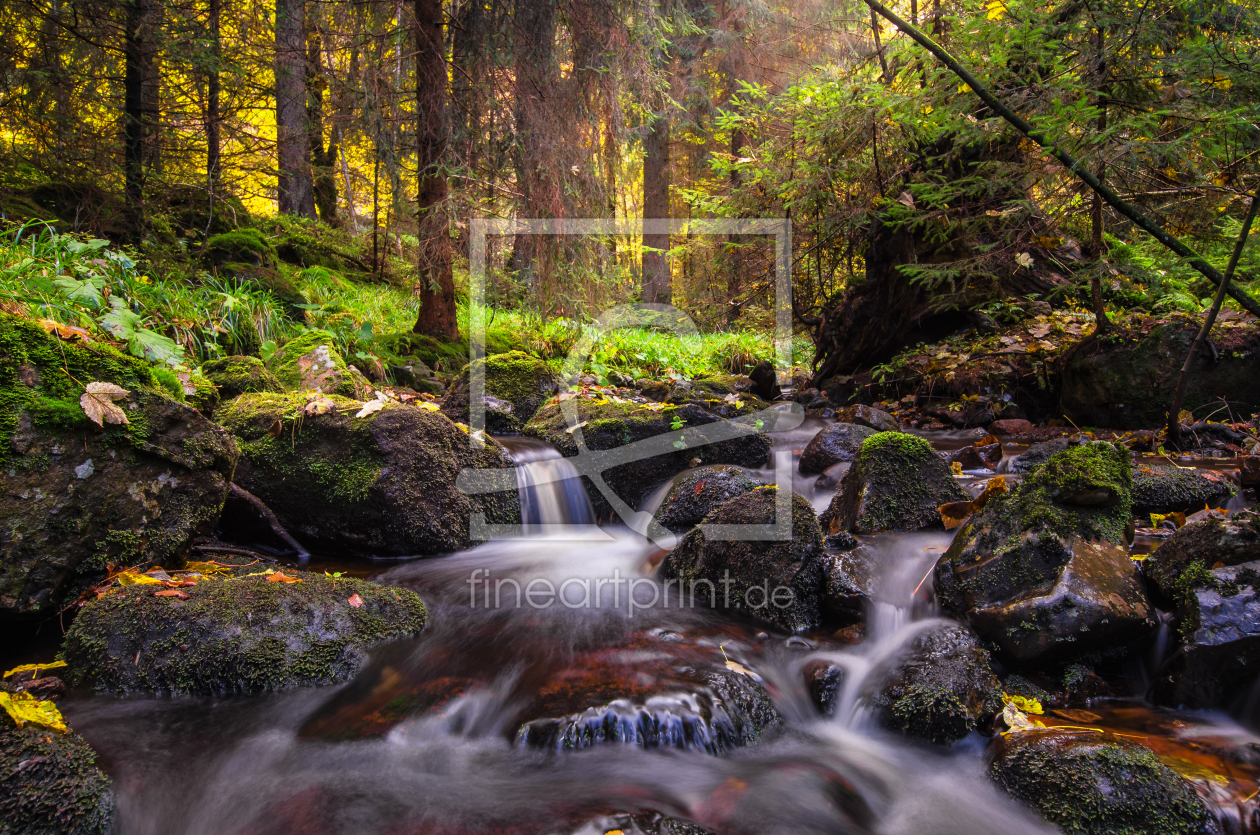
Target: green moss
<point>325,368</point>
<point>246,245</point>
<point>169,382</point>
<point>52,784</point>
<point>235,376</point>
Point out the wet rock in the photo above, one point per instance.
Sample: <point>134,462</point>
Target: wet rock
<point>724,711</point>
<point>1010,426</point>
<point>380,485</point>
<point>51,784</point>
<point>876,419</point>
<point>1038,454</point>
<point>849,582</point>
<point>1092,785</point>
<point>1043,570</point>
<point>778,581</point>
<point>237,634</point>
<point>311,361</point>
<point>699,492</point>
<point>516,384</point>
<point>944,691</point>
<point>1249,471</point>
<point>240,375</point>
<point>1171,489</point>
<point>1210,570</point>
<point>77,497</point>
<point>969,458</point>
<point>835,443</point>
<point>610,425</point>
<point>765,381</point>
<point>896,483</point>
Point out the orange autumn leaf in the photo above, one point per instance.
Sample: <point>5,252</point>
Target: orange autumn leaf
<point>171,593</point>
<point>355,600</point>
<point>63,331</point>
<point>281,577</point>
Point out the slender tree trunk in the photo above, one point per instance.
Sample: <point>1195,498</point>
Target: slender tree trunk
<point>437,286</point>
<point>656,278</point>
<point>534,34</point>
<point>735,255</point>
<point>213,127</point>
<point>1097,246</point>
<point>141,91</point>
<point>295,190</point>
<point>323,162</point>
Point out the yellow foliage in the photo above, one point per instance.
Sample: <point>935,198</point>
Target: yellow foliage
<point>24,707</point>
<point>35,668</point>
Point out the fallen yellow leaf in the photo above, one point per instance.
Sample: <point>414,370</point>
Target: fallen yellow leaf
<point>24,707</point>
<point>35,668</point>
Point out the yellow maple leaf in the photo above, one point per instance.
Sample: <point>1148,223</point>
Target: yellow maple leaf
<point>35,668</point>
<point>24,707</point>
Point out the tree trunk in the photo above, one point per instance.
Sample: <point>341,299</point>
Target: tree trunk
<point>141,89</point>
<point>437,286</point>
<point>323,162</point>
<point>1097,245</point>
<point>534,32</point>
<point>295,191</point>
<point>734,253</point>
<point>656,279</point>
<point>214,159</point>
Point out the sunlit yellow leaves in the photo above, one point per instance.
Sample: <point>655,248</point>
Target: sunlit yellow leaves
<point>1220,82</point>
<point>35,668</point>
<point>135,578</point>
<point>995,10</point>
<point>24,708</point>
<point>1023,703</point>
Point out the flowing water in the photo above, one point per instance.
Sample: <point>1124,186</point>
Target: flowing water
<point>506,716</point>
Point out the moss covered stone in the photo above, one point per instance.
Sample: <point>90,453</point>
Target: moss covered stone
<point>1091,784</point>
<point>897,483</point>
<point>50,784</point>
<point>777,581</point>
<point>77,497</point>
<point>1044,569</point>
<point>311,361</point>
<point>380,485</point>
<point>240,375</point>
<point>516,384</point>
<point>609,425</point>
<point>1172,489</point>
<point>243,246</point>
<point>237,634</point>
<point>696,494</point>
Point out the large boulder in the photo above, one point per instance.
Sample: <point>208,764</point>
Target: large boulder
<point>775,580</point>
<point>835,443</point>
<point>1123,382</point>
<point>1173,489</point>
<point>242,632</point>
<point>311,362</point>
<point>1210,571</point>
<point>700,491</point>
<point>516,384</point>
<point>378,485</point>
<point>944,690</point>
<point>235,376</point>
<point>850,581</point>
<point>1094,784</point>
<point>896,483</point>
<point>51,784</point>
<point>606,425</point>
<point>1044,570</point>
<point>78,497</point>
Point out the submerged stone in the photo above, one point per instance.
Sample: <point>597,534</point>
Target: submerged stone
<point>51,784</point>
<point>896,483</point>
<point>516,384</point>
<point>835,443</point>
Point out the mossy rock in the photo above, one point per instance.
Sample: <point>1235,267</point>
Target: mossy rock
<point>834,443</point>
<point>311,243</point>
<point>1172,489</point>
<point>189,208</point>
<point>235,376</point>
<point>516,384</point>
<point>78,497</point>
<point>1044,570</point>
<point>897,483</point>
<point>311,362</point>
<point>777,581</point>
<point>241,246</point>
<point>380,485</point>
<point>699,492</point>
<point>236,634</point>
<point>51,784</point>
<point>270,279</point>
<point>1093,784</point>
<point>944,690</point>
<point>609,425</point>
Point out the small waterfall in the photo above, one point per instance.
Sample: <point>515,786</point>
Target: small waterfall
<point>549,486</point>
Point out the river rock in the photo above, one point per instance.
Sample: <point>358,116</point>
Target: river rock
<point>849,581</point>
<point>608,425</point>
<point>896,483</point>
<point>1123,382</point>
<point>835,443</point>
<point>51,784</point>
<point>1209,571</point>
<point>1171,489</point>
<point>237,633</point>
<point>1249,470</point>
<point>1038,454</point>
<point>311,362</point>
<point>699,492</point>
<point>240,375</point>
<point>379,485</point>
<point>1094,785</point>
<point>1010,426</point>
<point>778,581</point>
<point>878,420</point>
<point>516,384</point>
<point>945,689</point>
<point>77,497</point>
<point>1044,569</point>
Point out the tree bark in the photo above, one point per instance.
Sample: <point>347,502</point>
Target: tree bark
<point>295,190</point>
<point>323,162</point>
<point>141,91</point>
<point>656,180</point>
<point>534,33</point>
<point>214,159</point>
<point>1097,246</point>
<point>437,286</point>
